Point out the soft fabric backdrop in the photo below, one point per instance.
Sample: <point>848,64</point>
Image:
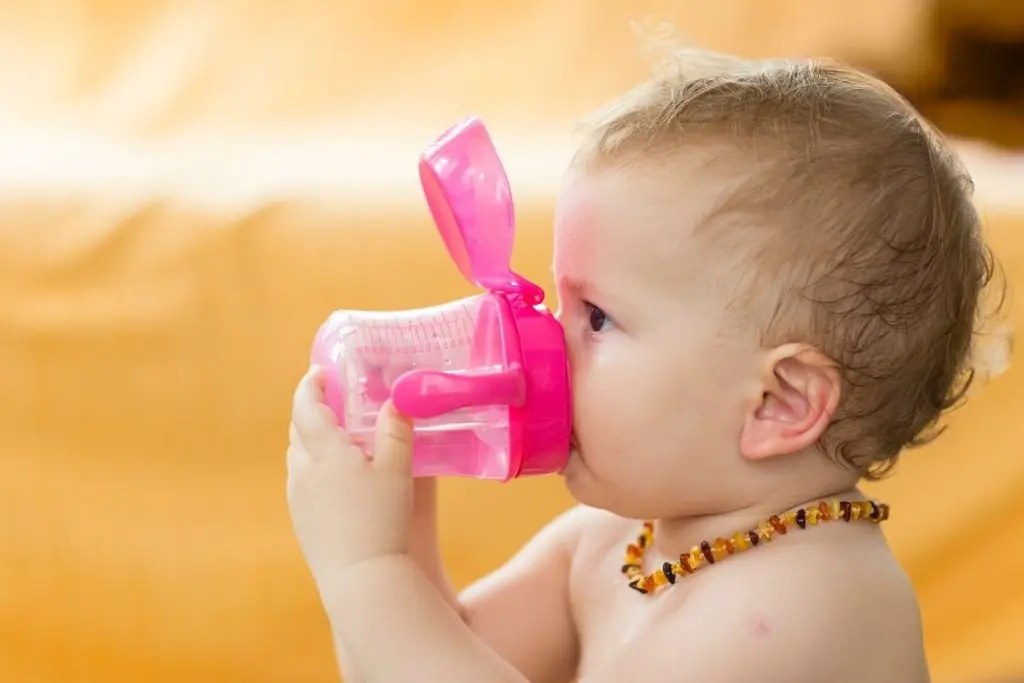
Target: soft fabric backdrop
<point>188,188</point>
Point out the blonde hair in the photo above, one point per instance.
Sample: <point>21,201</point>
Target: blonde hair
<point>859,218</point>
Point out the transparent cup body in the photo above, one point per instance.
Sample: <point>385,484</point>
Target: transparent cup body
<point>366,352</point>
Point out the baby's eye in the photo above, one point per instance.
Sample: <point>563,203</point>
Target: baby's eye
<point>597,319</point>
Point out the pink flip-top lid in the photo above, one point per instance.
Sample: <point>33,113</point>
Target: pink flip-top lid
<point>469,198</point>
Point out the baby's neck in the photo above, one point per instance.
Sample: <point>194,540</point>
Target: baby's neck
<point>675,535</point>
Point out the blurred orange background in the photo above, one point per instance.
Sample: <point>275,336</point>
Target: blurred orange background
<point>188,188</point>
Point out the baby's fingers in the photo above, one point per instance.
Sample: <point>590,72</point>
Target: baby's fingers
<point>315,424</point>
<point>394,440</point>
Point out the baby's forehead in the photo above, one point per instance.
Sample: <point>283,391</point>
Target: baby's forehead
<point>632,221</point>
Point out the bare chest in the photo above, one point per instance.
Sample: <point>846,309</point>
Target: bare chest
<point>623,634</point>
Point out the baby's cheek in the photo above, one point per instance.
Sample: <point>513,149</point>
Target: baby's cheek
<point>600,410</point>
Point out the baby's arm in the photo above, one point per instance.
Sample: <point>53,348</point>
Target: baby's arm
<point>515,625</point>
<point>522,610</point>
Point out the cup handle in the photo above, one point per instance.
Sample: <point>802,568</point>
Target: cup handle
<point>423,394</point>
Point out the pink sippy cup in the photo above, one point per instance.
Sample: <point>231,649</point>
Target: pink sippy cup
<point>485,378</point>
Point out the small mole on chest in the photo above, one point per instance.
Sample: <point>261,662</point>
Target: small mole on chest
<point>761,627</point>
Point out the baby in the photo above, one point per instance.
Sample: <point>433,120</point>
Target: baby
<point>769,275</point>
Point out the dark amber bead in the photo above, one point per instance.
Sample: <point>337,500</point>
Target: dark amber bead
<point>754,537</point>
<point>777,524</point>
<point>705,549</point>
<point>641,541</point>
<point>635,585</point>
<point>626,568</point>
<point>826,514</point>
<point>846,510</point>
<point>801,518</point>
<point>669,574</point>
<point>875,511</point>
<point>885,512</point>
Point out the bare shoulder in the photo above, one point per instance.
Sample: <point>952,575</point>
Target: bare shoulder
<point>842,604</point>
<point>591,529</point>
<point>833,606</point>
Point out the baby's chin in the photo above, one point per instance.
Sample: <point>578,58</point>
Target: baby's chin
<point>593,490</point>
<point>572,463</point>
<point>578,478</point>
<point>575,459</point>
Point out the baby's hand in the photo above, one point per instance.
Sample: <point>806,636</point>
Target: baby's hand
<point>346,507</point>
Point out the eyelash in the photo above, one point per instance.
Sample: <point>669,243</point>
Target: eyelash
<point>592,312</point>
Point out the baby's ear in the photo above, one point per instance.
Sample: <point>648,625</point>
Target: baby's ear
<point>800,392</point>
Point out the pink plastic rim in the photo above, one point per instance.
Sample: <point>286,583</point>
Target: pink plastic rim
<point>542,428</point>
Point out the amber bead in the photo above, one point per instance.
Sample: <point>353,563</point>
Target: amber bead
<point>720,549</point>
<point>696,557</point>
<point>730,545</point>
<point>635,584</point>
<point>634,549</point>
<point>826,514</point>
<point>705,549</point>
<point>812,516</point>
<point>684,563</point>
<point>626,568</point>
<point>801,518</point>
<point>765,531</point>
<point>875,512</point>
<point>754,537</point>
<point>777,524</point>
<point>740,541</point>
<point>789,518</point>
<point>845,510</point>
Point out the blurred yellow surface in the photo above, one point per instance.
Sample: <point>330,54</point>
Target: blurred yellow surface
<point>188,188</point>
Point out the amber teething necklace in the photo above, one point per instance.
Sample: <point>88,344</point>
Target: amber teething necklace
<point>707,553</point>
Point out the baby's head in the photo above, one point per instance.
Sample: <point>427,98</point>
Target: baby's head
<point>769,274</point>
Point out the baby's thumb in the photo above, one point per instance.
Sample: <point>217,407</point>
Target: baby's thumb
<point>393,440</point>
